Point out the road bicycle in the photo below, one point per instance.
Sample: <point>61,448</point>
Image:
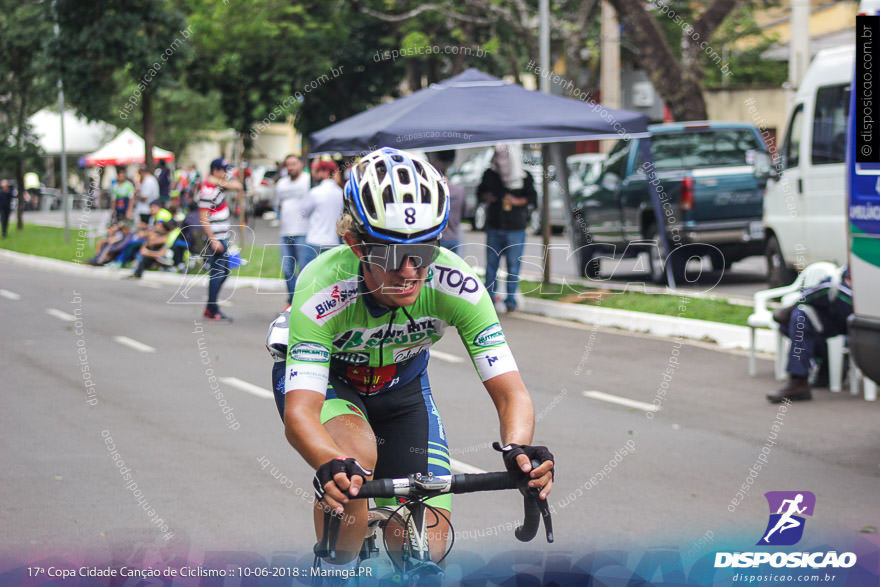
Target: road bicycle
<point>413,565</point>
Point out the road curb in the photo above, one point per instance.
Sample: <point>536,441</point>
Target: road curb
<point>261,284</point>
<point>727,336</point>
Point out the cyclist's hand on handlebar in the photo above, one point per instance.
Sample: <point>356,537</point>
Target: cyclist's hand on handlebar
<point>335,478</point>
<point>518,460</point>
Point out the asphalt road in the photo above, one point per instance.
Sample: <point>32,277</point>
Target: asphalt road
<point>211,461</point>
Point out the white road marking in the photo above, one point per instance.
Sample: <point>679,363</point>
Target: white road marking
<point>60,315</point>
<point>464,467</point>
<point>256,390</point>
<point>9,295</point>
<point>134,344</point>
<point>446,357</point>
<point>621,401</point>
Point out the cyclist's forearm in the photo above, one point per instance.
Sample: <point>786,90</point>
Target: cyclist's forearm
<point>516,414</point>
<point>304,431</point>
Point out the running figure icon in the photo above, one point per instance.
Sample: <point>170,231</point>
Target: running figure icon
<point>786,522</point>
<point>786,525</point>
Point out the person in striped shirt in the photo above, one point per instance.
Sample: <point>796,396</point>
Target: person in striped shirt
<point>214,217</point>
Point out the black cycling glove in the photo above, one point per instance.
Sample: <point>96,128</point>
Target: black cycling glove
<point>328,470</point>
<point>535,453</point>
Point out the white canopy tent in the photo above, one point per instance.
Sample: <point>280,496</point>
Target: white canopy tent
<point>80,135</point>
<point>126,149</point>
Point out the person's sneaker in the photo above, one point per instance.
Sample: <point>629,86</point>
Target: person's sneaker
<point>132,276</point>
<point>164,261</point>
<point>510,308</point>
<point>218,317</point>
<point>797,389</point>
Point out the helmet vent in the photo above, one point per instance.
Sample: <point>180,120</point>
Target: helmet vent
<point>367,200</point>
<point>397,158</point>
<point>420,169</point>
<point>381,170</point>
<point>426,195</point>
<point>441,201</point>
<point>387,196</point>
<point>403,175</point>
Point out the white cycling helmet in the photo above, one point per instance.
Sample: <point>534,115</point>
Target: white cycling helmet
<point>396,197</point>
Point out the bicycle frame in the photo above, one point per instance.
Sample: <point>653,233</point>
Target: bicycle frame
<point>418,488</point>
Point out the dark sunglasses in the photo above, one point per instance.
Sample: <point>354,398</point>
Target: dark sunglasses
<point>390,257</point>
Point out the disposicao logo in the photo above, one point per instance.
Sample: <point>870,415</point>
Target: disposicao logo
<point>786,528</point>
<point>786,525</point>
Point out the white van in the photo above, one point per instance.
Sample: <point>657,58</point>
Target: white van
<point>805,204</point>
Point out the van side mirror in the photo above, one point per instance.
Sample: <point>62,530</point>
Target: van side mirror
<point>763,166</point>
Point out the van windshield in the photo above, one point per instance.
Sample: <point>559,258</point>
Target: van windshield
<point>710,148</point>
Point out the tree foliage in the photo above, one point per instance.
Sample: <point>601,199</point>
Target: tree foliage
<point>147,40</point>
<point>24,28</point>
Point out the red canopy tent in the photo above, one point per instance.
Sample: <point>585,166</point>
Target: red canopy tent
<point>126,149</point>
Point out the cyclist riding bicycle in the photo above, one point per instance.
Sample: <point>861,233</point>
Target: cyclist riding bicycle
<point>351,381</point>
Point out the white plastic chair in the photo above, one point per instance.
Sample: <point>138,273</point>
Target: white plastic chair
<point>787,295</point>
<point>856,377</point>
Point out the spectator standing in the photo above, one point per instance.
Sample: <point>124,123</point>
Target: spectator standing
<point>323,208</point>
<point>122,194</point>
<point>164,179</point>
<point>7,193</point>
<point>290,191</point>
<point>32,189</point>
<point>509,191</point>
<point>214,217</point>
<point>820,314</point>
<point>146,192</point>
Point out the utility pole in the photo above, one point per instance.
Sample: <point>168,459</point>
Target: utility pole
<point>609,82</point>
<point>65,198</point>
<point>798,46</point>
<point>544,38</point>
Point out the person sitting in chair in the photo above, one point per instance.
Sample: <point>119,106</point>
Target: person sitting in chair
<point>820,314</point>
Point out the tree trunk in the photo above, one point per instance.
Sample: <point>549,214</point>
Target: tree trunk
<point>677,84</point>
<point>147,109</point>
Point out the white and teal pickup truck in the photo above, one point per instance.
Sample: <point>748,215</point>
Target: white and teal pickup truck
<point>710,177</point>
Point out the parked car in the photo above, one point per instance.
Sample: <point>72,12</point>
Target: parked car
<point>711,180</point>
<point>262,192</point>
<point>805,210</point>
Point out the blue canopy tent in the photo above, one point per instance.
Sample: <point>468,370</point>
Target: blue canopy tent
<point>474,109</point>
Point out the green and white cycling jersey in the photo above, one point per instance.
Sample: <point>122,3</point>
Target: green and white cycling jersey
<point>336,326</point>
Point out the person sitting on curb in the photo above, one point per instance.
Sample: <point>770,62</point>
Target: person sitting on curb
<point>820,314</point>
<point>154,249</point>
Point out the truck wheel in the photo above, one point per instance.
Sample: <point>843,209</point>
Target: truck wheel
<point>717,259</point>
<point>778,273</point>
<point>589,265</point>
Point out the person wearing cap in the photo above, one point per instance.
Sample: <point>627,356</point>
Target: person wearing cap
<point>352,351</point>
<point>214,218</point>
<point>290,191</point>
<point>147,191</point>
<point>321,209</point>
<point>820,313</point>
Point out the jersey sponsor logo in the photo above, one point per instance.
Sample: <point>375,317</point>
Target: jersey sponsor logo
<point>352,358</point>
<point>401,355</point>
<point>457,283</point>
<point>309,352</point>
<point>495,362</point>
<point>312,377</point>
<point>372,379</point>
<point>491,336</point>
<point>425,329</point>
<point>331,300</point>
